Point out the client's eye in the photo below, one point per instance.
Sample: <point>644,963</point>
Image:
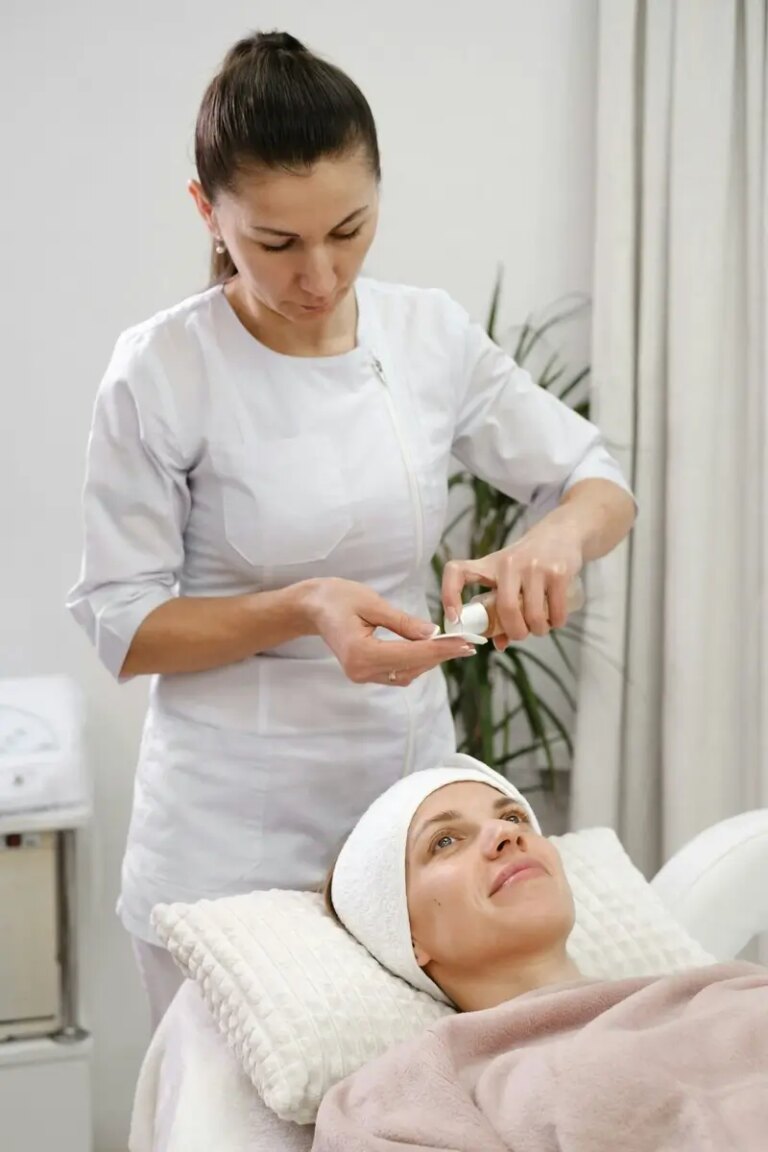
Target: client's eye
<point>516,816</point>
<point>442,841</point>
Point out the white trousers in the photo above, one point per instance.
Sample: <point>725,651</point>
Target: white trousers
<point>159,975</point>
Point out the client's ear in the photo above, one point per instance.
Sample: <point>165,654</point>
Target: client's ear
<point>422,958</point>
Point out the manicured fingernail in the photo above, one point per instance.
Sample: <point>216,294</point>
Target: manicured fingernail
<point>452,616</point>
<point>436,632</point>
<point>469,651</point>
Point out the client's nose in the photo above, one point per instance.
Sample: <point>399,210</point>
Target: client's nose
<point>500,834</point>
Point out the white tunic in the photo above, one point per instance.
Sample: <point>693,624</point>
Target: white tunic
<point>219,467</point>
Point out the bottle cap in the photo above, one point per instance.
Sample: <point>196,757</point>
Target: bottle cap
<point>458,629</point>
<point>474,618</point>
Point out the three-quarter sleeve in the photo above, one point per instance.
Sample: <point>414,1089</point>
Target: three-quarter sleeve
<point>519,437</point>
<point>135,504</point>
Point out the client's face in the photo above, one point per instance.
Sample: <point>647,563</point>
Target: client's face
<point>483,887</point>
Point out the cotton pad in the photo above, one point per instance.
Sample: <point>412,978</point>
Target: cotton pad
<point>470,637</point>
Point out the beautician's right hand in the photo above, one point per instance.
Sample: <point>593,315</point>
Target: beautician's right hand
<point>346,614</point>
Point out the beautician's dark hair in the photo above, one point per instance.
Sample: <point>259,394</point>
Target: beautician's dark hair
<point>274,104</point>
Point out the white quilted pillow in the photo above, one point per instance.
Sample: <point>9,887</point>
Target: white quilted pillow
<point>303,1005</point>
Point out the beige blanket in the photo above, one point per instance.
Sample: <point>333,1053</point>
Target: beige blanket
<point>676,1064</point>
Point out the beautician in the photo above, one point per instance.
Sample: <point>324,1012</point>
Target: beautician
<point>266,483</point>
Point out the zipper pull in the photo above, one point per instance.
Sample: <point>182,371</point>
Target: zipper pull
<point>379,370</point>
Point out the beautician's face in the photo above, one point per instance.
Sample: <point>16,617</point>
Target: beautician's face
<point>298,239</point>
<point>465,908</point>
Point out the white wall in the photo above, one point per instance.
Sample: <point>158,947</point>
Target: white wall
<point>486,121</point>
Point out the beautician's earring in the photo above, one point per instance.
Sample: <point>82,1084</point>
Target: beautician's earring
<point>220,246</point>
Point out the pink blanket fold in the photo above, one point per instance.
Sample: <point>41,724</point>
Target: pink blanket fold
<point>674,1064</point>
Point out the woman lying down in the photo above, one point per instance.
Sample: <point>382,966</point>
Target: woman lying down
<point>449,883</point>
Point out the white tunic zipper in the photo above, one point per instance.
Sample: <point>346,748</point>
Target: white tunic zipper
<point>418,517</point>
<point>413,487</point>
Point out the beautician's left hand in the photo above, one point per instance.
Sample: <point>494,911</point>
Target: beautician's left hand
<point>531,578</point>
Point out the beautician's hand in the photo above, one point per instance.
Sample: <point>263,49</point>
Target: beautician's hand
<point>531,579</point>
<point>346,614</point>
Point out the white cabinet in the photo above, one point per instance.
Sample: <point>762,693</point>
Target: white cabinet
<point>45,1054</point>
<point>45,1096</point>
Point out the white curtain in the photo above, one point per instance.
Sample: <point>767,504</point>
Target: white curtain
<point>672,728</point>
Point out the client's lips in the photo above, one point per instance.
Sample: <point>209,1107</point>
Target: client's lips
<point>515,869</point>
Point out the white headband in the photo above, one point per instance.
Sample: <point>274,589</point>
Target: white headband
<point>368,887</point>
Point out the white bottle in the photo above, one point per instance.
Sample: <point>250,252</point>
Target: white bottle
<point>479,618</point>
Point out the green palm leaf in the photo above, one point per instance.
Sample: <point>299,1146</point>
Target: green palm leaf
<point>522,653</point>
<point>491,694</point>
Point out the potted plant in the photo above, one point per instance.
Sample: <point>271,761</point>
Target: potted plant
<point>514,709</point>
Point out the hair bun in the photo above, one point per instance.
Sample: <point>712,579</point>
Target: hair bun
<point>279,42</point>
<point>263,44</point>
